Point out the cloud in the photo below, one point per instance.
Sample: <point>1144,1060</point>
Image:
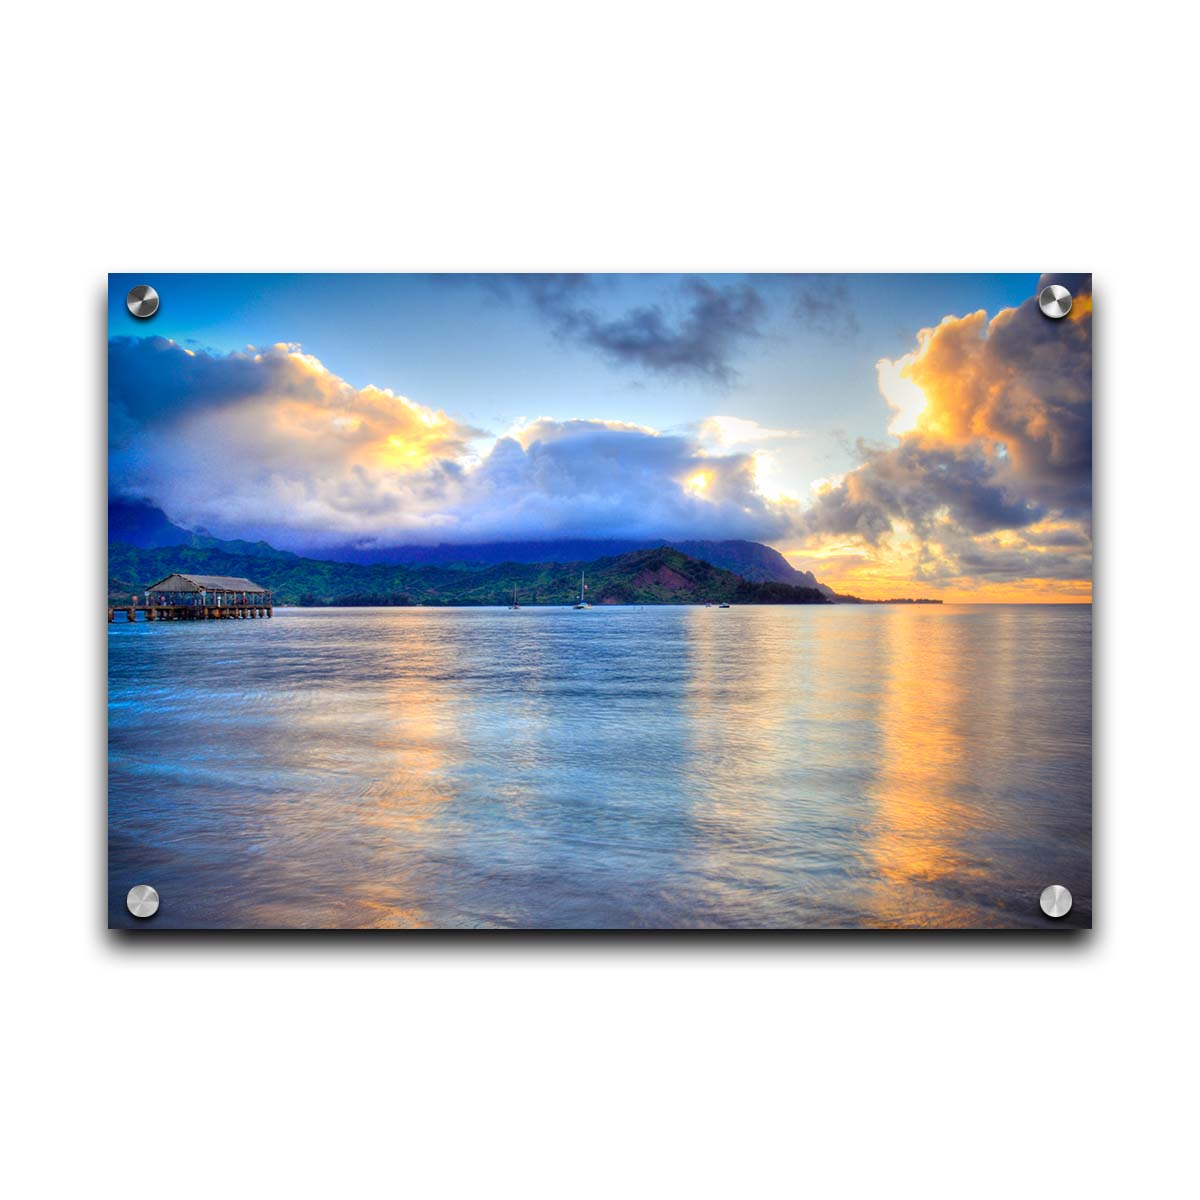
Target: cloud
<point>738,431</point>
<point>994,420</point>
<point>271,441</point>
<point>696,332</point>
<point>156,383</point>
<point>271,444</point>
<point>824,306</point>
<point>547,429</point>
<point>594,478</point>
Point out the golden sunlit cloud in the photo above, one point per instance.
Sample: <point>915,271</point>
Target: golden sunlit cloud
<point>819,487</point>
<point>901,393</point>
<point>987,495</point>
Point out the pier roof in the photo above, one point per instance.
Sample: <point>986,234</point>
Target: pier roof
<point>205,583</point>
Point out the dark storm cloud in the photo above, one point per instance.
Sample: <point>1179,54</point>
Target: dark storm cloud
<point>701,340</point>
<point>920,485</point>
<point>697,331</point>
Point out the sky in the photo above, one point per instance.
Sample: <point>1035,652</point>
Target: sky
<point>898,435</point>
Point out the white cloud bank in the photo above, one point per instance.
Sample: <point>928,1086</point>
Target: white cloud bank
<point>270,444</point>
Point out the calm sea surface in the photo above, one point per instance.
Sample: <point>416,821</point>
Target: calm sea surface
<point>621,767</point>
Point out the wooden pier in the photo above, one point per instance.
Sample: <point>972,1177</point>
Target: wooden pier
<point>198,598</point>
<point>191,612</point>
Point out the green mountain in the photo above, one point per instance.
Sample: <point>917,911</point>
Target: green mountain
<point>137,523</point>
<point>660,575</point>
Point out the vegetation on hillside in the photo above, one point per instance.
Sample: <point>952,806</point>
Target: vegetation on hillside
<point>656,576</point>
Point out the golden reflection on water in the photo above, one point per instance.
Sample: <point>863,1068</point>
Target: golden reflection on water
<point>825,767</point>
<point>919,813</point>
<point>924,819</point>
<point>779,724</point>
<point>399,744</point>
<point>389,745</point>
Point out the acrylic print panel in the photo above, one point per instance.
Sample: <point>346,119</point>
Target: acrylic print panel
<point>609,601</point>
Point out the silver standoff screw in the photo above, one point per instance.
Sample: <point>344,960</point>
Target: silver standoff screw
<point>142,301</point>
<point>1054,300</point>
<point>142,900</point>
<point>1056,901</point>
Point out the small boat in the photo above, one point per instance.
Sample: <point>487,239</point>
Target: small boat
<point>582,590</point>
<point>708,604</point>
<point>723,604</point>
<point>514,604</point>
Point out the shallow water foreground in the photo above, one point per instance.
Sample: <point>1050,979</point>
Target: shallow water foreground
<point>804,767</point>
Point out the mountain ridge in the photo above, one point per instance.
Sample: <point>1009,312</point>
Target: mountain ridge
<point>658,575</point>
<point>142,525</point>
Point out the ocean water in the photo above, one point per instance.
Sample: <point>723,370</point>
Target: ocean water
<point>757,767</point>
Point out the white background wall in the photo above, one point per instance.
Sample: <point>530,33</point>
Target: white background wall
<point>880,137</point>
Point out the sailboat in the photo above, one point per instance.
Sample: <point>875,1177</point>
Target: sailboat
<point>514,604</point>
<point>582,597</point>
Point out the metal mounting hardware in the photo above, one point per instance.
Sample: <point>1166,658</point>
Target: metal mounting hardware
<point>1056,901</point>
<point>1055,301</point>
<point>142,900</point>
<point>142,301</point>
